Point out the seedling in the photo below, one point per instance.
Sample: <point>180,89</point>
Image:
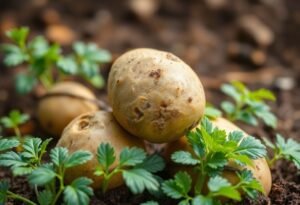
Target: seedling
<point>212,151</point>
<point>248,105</point>
<point>47,175</point>
<point>284,149</point>
<point>13,121</point>
<point>135,167</point>
<point>44,60</point>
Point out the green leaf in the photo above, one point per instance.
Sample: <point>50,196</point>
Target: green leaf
<point>97,81</point>
<point>229,192</point>
<point>268,118</point>
<point>172,190</point>
<point>231,91</point>
<point>78,158</point>
<point>202,200</point>
<point>59,155</point>
<point>179,186</point>
<point>251,147</point>
<point>41,176</point>
<point>31,148</point>
<point>132,156</point>
<point>106,155</point>
<point>67,65</point>
<point>184,157</point>
<point>4,186</point>
<point>14,119</point>
<point>25,83</point>
<point>228,107</point>
<point>290,149</point>
<point>13,55</point>
<point>247,117</point>
<point>216,183</point>
<point>38,46</point>
<point>268,143</point>
<point>217,160</point>
<point>78,192</point>
<point>18,35</point>
<point>6,144</point>
<point>45,197</point>
<point>150,203</point>
<point>153,163</point>
<point>184,181</point>
<point>212,112</point>
<point>11,159</point>
<point>137,180</point>
<point>262,94</point>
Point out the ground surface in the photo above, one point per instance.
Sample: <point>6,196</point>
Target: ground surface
<point>210,35</point>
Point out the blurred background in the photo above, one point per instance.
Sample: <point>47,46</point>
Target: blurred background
<point>254,41</point>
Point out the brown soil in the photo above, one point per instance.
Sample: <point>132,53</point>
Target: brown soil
<point>254,41</point>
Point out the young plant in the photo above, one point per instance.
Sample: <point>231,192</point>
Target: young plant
<point>46,175</point>
<point>212,151</point>
<point>284,149</point>
<point>248,105</point>
<point>136,168</point>
<point>45,59</point>
<point>13,121</point>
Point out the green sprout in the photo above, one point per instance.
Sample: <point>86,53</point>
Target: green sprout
<point>13,121</point>
<point>45,176</point>
<point>284,149</point>
<point>248,105</point>
<point>137,169</point>
<point>44,60</point>
<point>212,150</point>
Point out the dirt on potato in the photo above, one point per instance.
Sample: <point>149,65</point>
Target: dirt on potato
<point>209,35</point>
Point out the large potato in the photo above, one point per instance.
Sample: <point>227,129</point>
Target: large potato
<point>87,132</point>
<point>155,95</point>
<point>56,111</point>
<point>260,169</point>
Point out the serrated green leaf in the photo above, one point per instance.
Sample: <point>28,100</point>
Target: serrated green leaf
<point>202,200</point>
<point>247,117</point>
<point>38,46</point>
<point>229,192</point>
<point>216,183</point>
<point>137,180</point>
<point>13,55</point>
<point>231,91</point>
<point>59,155</point>
<point>78,158</point>
<point>106,155</point>
<point>11,159</point>
<point>78,192</point>
<point>262,94</point>
<point>31,148</point>
<point>132,156</point>
<point>41,176</point>
<point>251,147</point>
<point>184,181</point>
<point>268,118</point>
<point>45,197</point>
<point>184,157</point>
<point>153,163</point>
<point>217,160</point>
<point>6,144</point>
<point>171,189</point>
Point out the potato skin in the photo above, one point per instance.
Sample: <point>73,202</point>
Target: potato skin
<point>87,132</point>
<point>55,112</point>
<point>260,170</point>
<point>155,95</point>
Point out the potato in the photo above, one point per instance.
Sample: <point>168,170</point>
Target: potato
<point>87,132</point>
<point>155,95</point>
<point>260,170</point>
<point>56,111</point>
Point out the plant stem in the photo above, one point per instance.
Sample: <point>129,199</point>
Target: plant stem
<point>273,160</point>
<point>200,181</point>
<point>107,178</point>
<point>19,136</point>
<point>20,198</point>
<point>61,186</point>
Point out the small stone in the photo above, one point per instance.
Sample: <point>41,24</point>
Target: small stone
<point>61,34</point>
<point>285,83</point>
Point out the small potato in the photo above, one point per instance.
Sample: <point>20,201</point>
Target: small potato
<point>87,132</point>
<point>260,169</point>
<point>155,95</point>
<point>56,111</point>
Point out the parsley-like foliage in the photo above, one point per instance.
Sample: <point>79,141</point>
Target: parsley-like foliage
<point>136,168</point>
<point>212,150</point>
<point>284,149</point>
<point>248,105</point>
<point>45,59</point>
